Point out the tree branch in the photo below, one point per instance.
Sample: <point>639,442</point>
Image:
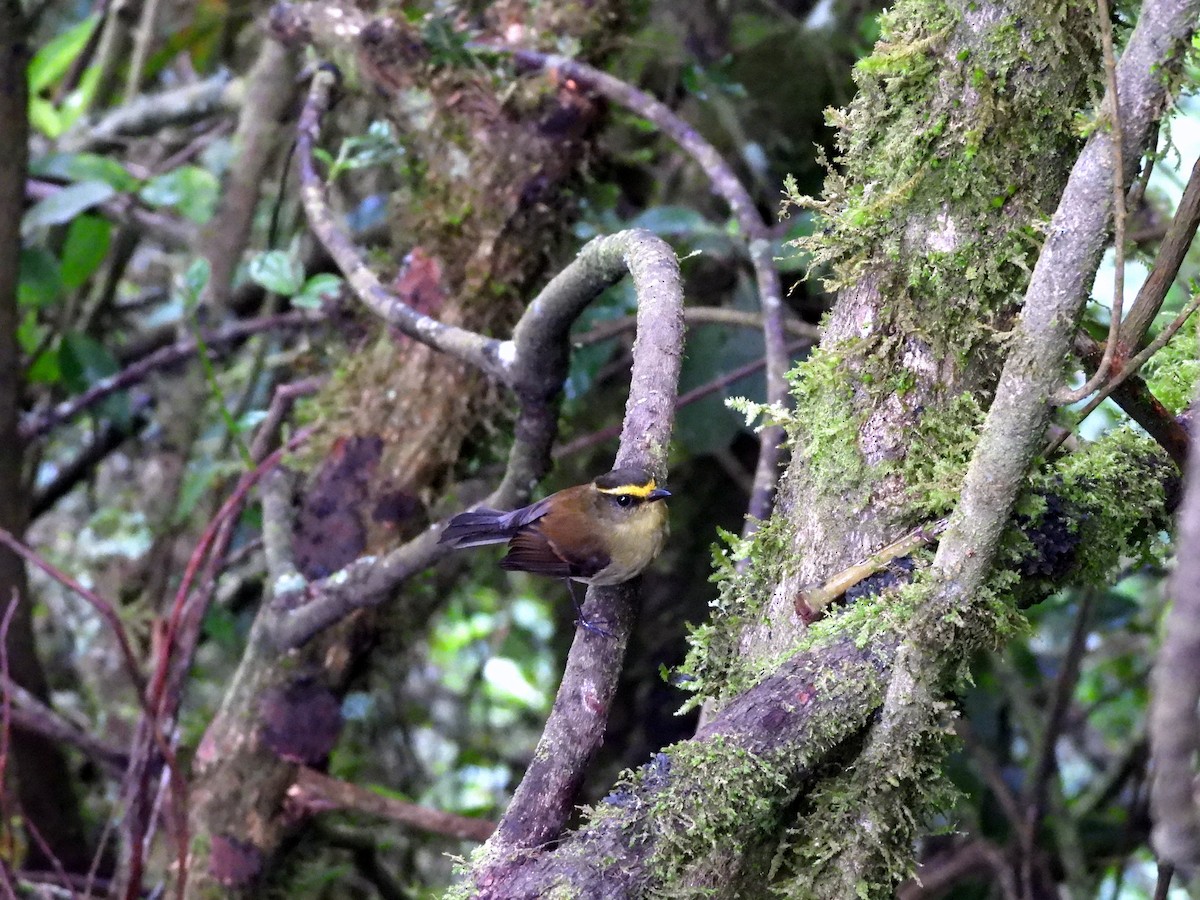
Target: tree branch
<point>541,347</point>
<point>956,616</point>
<point>317,791</point>
<point>727,185</point>
<point>483,353</point>
<point>1174,723</point>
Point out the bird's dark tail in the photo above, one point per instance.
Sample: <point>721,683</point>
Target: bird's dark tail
<point>477,527</point>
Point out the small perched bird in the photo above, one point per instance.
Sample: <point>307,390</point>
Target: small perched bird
<point>603,532</point>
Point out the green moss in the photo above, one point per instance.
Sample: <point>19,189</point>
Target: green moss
<point>947,120</point>
<point>745,573</point>
<point>1087,514</point>
<point>1172,372</point>
<point>938,455</point>
<point>739,803</point>
<point>825,424</point>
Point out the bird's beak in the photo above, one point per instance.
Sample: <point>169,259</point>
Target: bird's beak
<point>658,494</point>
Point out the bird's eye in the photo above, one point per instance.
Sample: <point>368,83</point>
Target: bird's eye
<point>624,500</point>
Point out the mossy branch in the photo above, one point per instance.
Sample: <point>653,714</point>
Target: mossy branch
<point>957,612</point>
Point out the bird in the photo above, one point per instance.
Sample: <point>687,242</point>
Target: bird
<point>603,532</point>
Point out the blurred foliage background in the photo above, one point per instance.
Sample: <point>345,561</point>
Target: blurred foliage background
<point>108,277</point>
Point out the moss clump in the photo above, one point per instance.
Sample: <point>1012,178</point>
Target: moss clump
<point>938,455</point>
<point>739,803</point>
<point>1172,372</point>
<point>1086,514</point>
<point>944,154</point>
<point>822,854</point>
<point>825,424</point>
<point>745,571</point>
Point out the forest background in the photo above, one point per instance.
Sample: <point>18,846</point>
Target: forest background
<point>268,317</point>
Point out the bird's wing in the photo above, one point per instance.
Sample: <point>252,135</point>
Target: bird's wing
<point>531,551</point>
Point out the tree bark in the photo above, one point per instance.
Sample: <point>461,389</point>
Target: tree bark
<point>44,780</point>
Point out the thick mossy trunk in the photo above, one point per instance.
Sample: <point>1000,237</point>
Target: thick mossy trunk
<point>954,154</point>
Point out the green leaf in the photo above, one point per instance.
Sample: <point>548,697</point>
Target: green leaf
<point>64,205</point>
<point>316,289</point>
<point>376,147</point>
<point>85,248</point>
<point>41,281</point>
<point>199,478</point>
<point>189,189</point>
<point>30,334</point>
<point>54,59</point>
<point>45,369</point>
<point>80,100</point>
<point>674,221</point>
<point>84,167</point>
<point>84,361</point>
<point>44,117</point>
<point>276,271</point>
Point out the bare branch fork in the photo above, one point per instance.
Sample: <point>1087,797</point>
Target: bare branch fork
<point>533,364</point>
<point>727,185</point>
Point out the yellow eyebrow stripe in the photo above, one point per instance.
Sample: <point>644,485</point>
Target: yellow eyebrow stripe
<point>634,490</point>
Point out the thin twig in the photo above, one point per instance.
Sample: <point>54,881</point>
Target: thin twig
<point>600,436</point>
<point>102,606</point>
<point>31,714</point>
<point>1137,193</point>
<point>1171,253</point>
<point>1116,144</point>
<point>699,315</point>
<point>1129,369</point>
<point>1045,761</point>
<point>1139,403</point>
<point>38,424</point>
<point>142,42</point>
<point>317,792</point>
<point>175,652</point>
<point>60,874</point>
<point>991,773</point>
<point>487,354</point>
<point>1162,884</point>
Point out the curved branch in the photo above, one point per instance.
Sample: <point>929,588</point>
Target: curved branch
<point>488,354</point>
<point>546,796</point>
<point>536,370</point>
<point>758,236</point>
